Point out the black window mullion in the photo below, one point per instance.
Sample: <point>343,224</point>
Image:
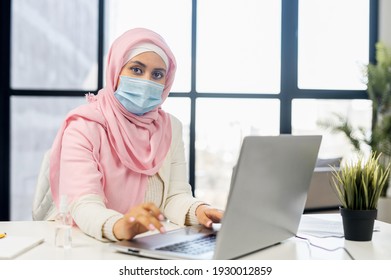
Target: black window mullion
<point>5,54</point>
<point>289,28</point>
<point>193,96</point>
<point>101,17</point>
<point>373,29</point>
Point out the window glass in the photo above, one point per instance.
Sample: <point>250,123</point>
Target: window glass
<point>221,125</point>
<point>170,18</point>
<point>310,115</point>
<point>238,46</point>
<point>180,108</point>
<point>34,124</point>
<point>54,44</point>
<point>333,44</point>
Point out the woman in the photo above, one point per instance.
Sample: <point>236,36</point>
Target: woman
<point>120,158</point>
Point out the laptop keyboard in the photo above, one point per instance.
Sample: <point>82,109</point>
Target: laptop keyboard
<point>193,247</point>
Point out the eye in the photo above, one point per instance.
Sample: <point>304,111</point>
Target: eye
<point>136,70</point>
<point>157,75</point>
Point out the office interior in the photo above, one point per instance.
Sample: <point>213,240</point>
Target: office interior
<point>52,54</point>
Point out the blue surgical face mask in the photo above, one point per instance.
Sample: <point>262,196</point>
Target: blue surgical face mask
<point>138,96</point>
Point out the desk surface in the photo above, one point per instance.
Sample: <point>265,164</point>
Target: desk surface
<point>87,248</point>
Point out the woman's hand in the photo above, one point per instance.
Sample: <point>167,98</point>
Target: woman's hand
<point>139,219</point>
<point>207,215</point>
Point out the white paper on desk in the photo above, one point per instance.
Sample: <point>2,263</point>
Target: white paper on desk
<point>320,228</point>
<point>324,228</point>
<point>13,246</point>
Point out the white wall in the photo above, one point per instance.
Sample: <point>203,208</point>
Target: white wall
<point>385,21</point>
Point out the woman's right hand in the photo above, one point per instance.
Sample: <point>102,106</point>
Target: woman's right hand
<point>139,219</point>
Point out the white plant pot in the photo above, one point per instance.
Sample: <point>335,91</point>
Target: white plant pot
<point>384,209</point>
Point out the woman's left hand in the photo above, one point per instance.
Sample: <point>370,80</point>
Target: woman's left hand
<point>208,215</point>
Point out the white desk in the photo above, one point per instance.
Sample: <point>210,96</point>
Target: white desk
<point>87,248</point>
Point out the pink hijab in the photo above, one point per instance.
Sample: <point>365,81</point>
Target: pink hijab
<point>140,142</point>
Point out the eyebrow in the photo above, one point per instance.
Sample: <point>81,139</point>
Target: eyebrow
<point>139,63</point>
<point>143,65</point>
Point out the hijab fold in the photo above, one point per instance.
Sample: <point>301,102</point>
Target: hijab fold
<point>140,142</point>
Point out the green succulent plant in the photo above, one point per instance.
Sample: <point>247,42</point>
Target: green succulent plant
<point>359,185</point>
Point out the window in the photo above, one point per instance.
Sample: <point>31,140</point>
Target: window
<point>309,114</point>
<point>221,126</point>
<point>238,51</point>
<point>248,67</point>
<point>333,48</point>
<point>54,44</point>
<point>34,124</point>
<point>162,17</point>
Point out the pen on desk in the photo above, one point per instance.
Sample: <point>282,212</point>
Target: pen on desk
<point>2,235</point>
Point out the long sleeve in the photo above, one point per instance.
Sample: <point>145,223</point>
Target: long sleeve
<point>155,192</point>
<point>102,224</point>
<point>179,196</point>
<point>90,214</point>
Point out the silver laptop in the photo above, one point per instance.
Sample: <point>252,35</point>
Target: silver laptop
<point>268,192</point>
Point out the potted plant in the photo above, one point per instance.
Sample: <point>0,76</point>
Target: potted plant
<point>358,186</point>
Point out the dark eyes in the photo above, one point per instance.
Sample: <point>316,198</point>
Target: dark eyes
<point>156,75</point>
<point>136,70</point>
